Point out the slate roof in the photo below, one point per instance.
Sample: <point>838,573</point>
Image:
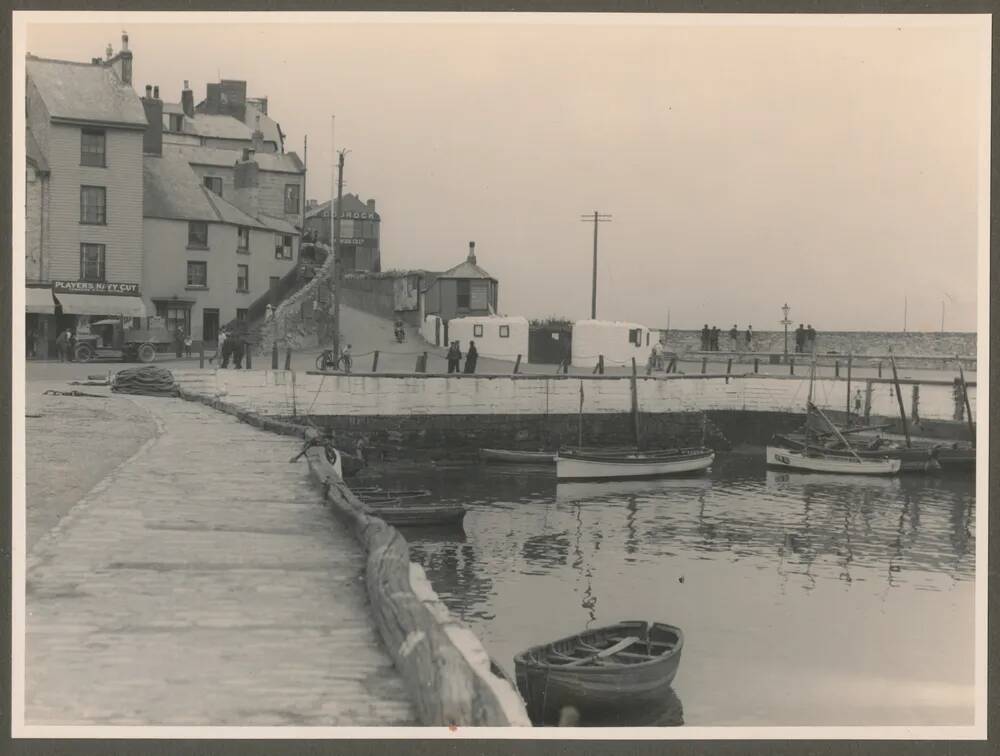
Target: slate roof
<point>466,269</point>
<point>208,125</point>
<point>287,162</point>
<point>172,190</point>
<point>85,92</point>
<point>34,153</point>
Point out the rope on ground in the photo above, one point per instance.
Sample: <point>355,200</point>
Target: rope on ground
<point>145,381</point>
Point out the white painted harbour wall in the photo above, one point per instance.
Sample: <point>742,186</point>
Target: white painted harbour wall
<point>286,393</point>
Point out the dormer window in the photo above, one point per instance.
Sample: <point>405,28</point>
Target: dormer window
<point>176,122</point>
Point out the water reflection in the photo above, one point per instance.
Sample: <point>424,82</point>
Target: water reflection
<point>754,564</point>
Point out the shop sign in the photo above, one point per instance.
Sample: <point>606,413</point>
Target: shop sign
<point>348,215</point>
<point>95,287</point>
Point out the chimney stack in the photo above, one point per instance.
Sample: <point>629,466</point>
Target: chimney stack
<point>109,51</point>
<point>371,205</point>
<point>246,183</point>
<point>152,139</point>
<point>187,100</point>
<point>124,41</point>
<point>472,252</point>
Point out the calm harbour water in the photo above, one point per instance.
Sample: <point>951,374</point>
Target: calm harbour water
<point>805,599</point>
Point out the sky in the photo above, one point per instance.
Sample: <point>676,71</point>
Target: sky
<point>832,167</point>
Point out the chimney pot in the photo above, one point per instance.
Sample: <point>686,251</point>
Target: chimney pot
<point>149,91</point>
<point>124,40</point>
<point>156,93</point>
<point>472,252</point>
<point>186,84</point>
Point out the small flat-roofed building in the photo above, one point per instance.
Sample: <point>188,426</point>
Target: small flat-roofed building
<point>618,341</point>
<point>496,336</point>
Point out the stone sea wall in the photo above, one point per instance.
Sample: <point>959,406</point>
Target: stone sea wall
<point>915,344</point>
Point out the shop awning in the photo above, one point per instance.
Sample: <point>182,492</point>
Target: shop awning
<point>39,300</point>
<point>100,304</point>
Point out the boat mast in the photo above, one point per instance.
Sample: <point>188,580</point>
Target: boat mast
<point>968,407</point>
<point>837,431</point>
<point>899,399</point>
<point>579,441</point>
<point>635,405</point>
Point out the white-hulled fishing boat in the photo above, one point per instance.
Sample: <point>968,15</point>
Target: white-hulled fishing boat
<point>585,465</point>
<point>826,463</point>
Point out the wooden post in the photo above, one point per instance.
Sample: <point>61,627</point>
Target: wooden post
<point>880,368</point>
<point>968,406</point>
<point>836,368</point>
<point>915,404</point>
<point>704,364</point>
<point>635,403</point>
<point>288,358</point>
<point>274,356</point>
<point>422,363</point>
<point>201,355</point>
<point>791,366</point>
<point>729,366</point>
<point>375,362</point>
<point>517,364</point>
<point>565,367</point>
<point>899,400</point>
<point>600,364</point>
<point>579,430</point>
<point>756,364</point>
<point>868,401</point>
<point>849,361</point>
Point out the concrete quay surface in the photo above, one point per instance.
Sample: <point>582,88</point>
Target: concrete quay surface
<point>201,582</point>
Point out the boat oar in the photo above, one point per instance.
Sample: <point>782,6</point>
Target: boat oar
<point>610,651</point>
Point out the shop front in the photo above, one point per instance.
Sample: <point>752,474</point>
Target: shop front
<point>40,328</point>
<point>82,305</point>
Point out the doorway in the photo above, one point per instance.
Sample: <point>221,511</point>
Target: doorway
<point>210,325</point>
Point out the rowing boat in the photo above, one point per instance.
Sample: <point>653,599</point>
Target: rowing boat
<point>789,459</point>
<point>380,494</point>
<point>599,671</point>
<point>401,513</point>
<point>623,465</point>
<point>514,456</point>
<point>956,458</point>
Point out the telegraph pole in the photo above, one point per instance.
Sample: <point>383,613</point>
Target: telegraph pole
<point>337,269</point>
<point>595,219</point>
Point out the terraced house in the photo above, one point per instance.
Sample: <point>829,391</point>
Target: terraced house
<point>84,256</point>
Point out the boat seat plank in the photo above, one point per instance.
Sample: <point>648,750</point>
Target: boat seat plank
<point>620,646</point>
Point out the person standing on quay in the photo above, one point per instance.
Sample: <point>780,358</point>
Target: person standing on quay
<point>471,357</point>
<point>810,339</point>
<point>62,345</point>
<point>734,334</point>
<point>454,357</point>
<point>800,339</point>
<point>749,338</point>
<point>713,340</point>
<point>706,339</point>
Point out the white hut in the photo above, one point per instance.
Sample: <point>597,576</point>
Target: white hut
<point>619,342</point>
<point>499,337</point>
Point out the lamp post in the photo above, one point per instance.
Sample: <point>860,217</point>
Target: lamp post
<point>786,322</point>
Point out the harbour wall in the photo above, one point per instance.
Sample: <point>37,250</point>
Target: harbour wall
<point>526,411</point>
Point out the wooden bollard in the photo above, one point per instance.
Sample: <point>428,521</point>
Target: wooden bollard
<point>375,362</point>
<point>756,365</point>
<point>274,356</point>
<point>600,364</point>
<point>201,355</point>
<point>517,364</point>
<point>423,363</point>
<point>880,370</point>
<point>791,366</point>
<point>288,358</point>
<point>249,352</point>
<point>704,364</point>
<point>836,368</point>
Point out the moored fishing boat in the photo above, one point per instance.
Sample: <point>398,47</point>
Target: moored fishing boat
<point>402,513</point>
<point>514,456</point>
<point>599,671</point>
<point>826,463</point>
<point>624,465</point>
<point>380,494</point>
<point>956,458</point>
<point>912,459</point>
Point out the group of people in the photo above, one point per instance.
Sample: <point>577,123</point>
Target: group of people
<point>805,339</point>
<point>455,358</point>
<point>232,346</point>
<point>737,341</point>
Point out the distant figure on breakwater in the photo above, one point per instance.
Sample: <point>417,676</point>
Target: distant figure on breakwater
<point>749,338</point>
<point>706,339</point>
<point>800,339</point>
<point>810,339</point>
<point>734,335</point>
<point>471,357</point>
<point>713,345</point>
<point>857,402</point>
<point>454,357</point>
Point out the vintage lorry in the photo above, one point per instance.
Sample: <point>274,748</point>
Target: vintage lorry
<point>119,338</point>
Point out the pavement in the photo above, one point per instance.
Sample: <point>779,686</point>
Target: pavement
<point>201,582</point>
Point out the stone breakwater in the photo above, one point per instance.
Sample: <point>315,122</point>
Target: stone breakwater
<point>914,344</point>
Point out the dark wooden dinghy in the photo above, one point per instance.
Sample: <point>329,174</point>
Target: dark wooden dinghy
<point>407,513</point>
<point>379,494</point>
<point>599,671</point>
<point>956,458</point>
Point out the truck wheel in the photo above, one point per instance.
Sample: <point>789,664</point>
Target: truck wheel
<point>83,353</point>
<point>146,353</point>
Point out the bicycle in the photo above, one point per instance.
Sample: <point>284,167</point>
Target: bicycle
<point>327,361</point>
